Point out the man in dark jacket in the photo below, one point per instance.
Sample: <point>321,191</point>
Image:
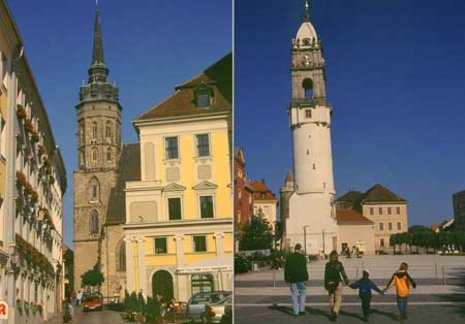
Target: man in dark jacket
<point>296,274</point>
<point>334,270</point>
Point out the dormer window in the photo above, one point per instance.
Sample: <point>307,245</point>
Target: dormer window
<point>203,96</point>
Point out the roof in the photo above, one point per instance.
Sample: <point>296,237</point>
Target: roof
<point>239,154</point>
<point>217,77</point>
<point>380,194</point>
<point>351,196</point>
<point>260,189</point>
<point>128,170</point>
<point>349,215</point>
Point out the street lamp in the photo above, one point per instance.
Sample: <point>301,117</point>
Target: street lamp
<point>305,239</point>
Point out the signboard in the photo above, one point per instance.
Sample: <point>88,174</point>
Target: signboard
<point>3,310</point>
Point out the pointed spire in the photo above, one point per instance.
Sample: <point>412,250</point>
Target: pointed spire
<point>307,13</point>
<point>289,177</point>
<point>97,53</point>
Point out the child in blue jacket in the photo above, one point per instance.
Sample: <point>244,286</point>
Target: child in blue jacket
<point>364,286</point>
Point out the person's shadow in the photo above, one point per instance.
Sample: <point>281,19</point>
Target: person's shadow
<point>308,310</point>
<point>387,314</point>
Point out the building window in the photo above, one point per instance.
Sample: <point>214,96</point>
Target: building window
<point>94,189</point>
<point>201,283</point>
<point>380,210</point>
<point>372,211</point>
<point>390,226</point>
<point>307,84</point>
<point>381,242</point>
<point>108,129</point>
<point>171,146</point>
<point>203,100</point>
<point>94,129</point>
<point>109,154</point>
<point>200,243</point>
<point>81,133</point>
<point>389,211</point>
<point>266,210</point>
<point>239,193</point>
<point>94,154</point>
<point>206,206</point>
<point>203,145</point>
<point>308,113</point>
<point>174,208</point>
<point>121,256</point>
<point>81,157</point>
<point>160,245</point>
<point>93,222</point>
<point>381,226</point>
<point>398,210</point>
<point>399,226</point>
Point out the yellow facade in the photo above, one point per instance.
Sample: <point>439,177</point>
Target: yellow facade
<point>181,209</point>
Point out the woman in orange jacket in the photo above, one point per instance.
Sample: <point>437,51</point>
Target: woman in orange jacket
<point>402,280</point>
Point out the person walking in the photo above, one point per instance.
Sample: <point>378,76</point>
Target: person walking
<point>402,280</point>
<point>364,286</point>
<point>334,270</point>
<point>296,274</point>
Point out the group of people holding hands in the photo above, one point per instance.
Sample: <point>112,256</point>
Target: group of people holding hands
<point>296,274</point>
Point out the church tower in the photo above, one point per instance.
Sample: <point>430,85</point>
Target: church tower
<point>311,220</point>
<point>98,149</point>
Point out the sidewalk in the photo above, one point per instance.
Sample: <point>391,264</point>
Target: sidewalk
<point>58,318</point>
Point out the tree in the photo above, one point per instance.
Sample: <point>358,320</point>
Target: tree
<point>257,234</point>
<point>394,240</point>
<point>92,278</point>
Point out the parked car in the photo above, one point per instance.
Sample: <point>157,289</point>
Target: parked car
<point>196,304</point>
<point>227,316</point>
<point>214,312</point>
<point>93,302</point>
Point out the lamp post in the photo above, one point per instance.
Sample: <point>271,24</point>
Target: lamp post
<point>305,239</point>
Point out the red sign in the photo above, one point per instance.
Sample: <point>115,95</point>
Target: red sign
<point>3,310</point>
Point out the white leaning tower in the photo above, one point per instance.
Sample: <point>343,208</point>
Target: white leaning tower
<point>312,215</point>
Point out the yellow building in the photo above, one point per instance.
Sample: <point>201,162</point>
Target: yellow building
<point>179,225</point>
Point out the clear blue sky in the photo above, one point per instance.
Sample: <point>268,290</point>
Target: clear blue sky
<point>396,80</point>
<point>150,46</point>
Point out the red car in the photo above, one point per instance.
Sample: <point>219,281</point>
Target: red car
<point>93,301</point>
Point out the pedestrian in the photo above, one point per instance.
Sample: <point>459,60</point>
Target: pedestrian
<point>402,280</point>
<point>73,297</point>
<point>296,274</point>
<point>78,297</point>
<point>364,286</point>
<point>334,270</point>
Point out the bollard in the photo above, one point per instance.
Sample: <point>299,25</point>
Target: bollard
<point>274,279</point>
<point>443,277</point>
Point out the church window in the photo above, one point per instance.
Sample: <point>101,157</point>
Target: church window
<point>171,147</point>
<point>307,84</point>
<point>93,222</point>
<point>121,256</point>
<point>94,154</point>
<point>174,208</point>
<point>108,129</point>
<point>94,129</point>
<point>308,113</point>
<point>94,189</point>
<point>206,206</point>
<point>203,144</point>
<point>199,243</point>
<point>160,245</point>
<point>81,157</point>
<point>109,154</point>
<point>201,283</point>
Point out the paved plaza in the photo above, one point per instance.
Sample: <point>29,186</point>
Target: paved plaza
<point>264,297</point>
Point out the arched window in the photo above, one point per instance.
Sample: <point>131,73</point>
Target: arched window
<point>121,256</point>
<point>201,283</point>
<point>308,88</point>
<point>108,129</point>
<point>94,129</point>
<point>81,157</point>
<point>81,133</point>
<point>94,189</point>
<point>109,154</point>
<point>94,154</point>
<point>93,224</point>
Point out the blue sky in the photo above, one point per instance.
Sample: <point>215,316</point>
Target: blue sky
<point>395,74</point>
<point>150,47</point>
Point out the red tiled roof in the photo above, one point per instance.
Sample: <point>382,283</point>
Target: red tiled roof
<point>261,188</point>
<point>349,215</point>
